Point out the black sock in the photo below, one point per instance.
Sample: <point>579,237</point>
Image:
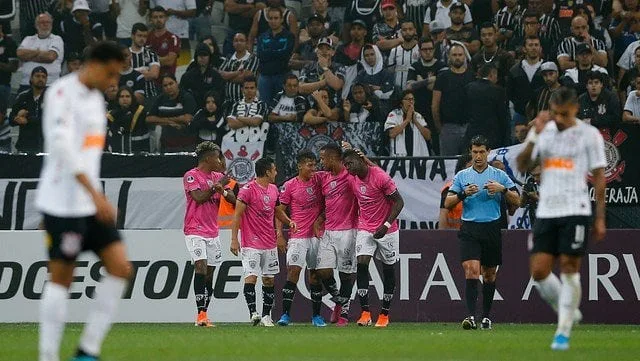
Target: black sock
<point>268,294</point>
<point>288,292</point>
<point>316,298</point>
<point>471,296</point>
<point>346,287</point>
<point>331,286</point>
<point>199,289</point>
<point>389,283</point>
<point>488,290</point>
<point>363,285</point>
<point>209,292</point>
<point>250,296</point>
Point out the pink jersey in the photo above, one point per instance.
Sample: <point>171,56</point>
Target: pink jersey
<point>305,204</point>
<point>371,193</point>
<point>201,219</point>
<point>256,226</point>
<point>340,205</point>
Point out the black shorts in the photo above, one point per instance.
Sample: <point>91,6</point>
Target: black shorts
<point>481,241</point>
<point>564,235</point>
<point>67,237</point>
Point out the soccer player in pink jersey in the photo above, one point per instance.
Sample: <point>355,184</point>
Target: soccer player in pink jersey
<point>380,204</point>
<point>254,216</point>
<point>337,248</point>
<point>203,187</point>
<point>302,195</point>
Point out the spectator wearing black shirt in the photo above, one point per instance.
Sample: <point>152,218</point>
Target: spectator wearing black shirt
<point>127,131</point>
<point>386,34</point>
<point>208,122</point>
<point>8,62</point>
<point>577,76</point>
<point>290,106</point>
<point>366,11</point>
<point>275,48</point>
<point>540,100</point>
<point>361,105</point>
<point>241,13</point>
<point>324,72</point>
<point>203,78</point>
<point>261,25</point>
<point>448,103</point>
<point>599,106</point>
<point>26,113</point>
<point>240,65</point>
<point>330,27</point>
<point>144,60</point>
<point>349,54</point>
<point>459,32</point>
<point>374,75</point>
<point>525,78</point>
<point>80,30</point>
<point>173,110</point>
<point>132,78</point>
<point>490,53</point>
<point>305,52</point>
<point>323,109</point>
<point>568,49</point>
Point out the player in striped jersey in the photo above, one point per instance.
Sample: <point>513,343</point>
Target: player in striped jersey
<point>569,150</point>
<point>402,56</point>
<point>580,35</point>
<point>144,59</point>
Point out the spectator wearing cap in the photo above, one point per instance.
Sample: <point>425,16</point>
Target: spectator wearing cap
<point>540,101</point>
<point>568,48</point>
<point>448,103</point>
<point>129,12</point>
<point>439,10</point>
<point>631,113</point>
<point>349,54</point>
<point>331,27</point>
<point>525,77</point>
<point>80,30</point>
<point>131,78</point>
<point>26,113</point>
<point>305,52</point>
<point>42,49</point>
<point>366,12</point>
<point>402,56</point>
<point>577,76</point>
<point>386,33</point>
<point>179,12</point>
<point>457,31</point>
<point>8,62</point>
<point>376,76</point>
<point>599,106</point>
<point>274,50</point>
<point>203,78</point>
<point>240,65</point>
<point>290,105</point>
<point>261,23</point>
<point>163,42</point>
<point>490,53</point>
<point>324,73</point>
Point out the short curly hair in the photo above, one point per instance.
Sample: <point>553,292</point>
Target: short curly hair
<point>203,149</point>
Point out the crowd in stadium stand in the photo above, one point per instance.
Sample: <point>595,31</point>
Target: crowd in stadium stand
<point>432,73</point>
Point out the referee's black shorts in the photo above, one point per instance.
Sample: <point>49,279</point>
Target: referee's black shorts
<point>481,241</point>
<point>564,235</point>
<point>68,236</point>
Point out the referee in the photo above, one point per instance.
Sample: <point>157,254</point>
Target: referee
<point>481,188</point>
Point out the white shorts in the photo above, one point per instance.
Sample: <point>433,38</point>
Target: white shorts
<point>338,251</point>
<point>303,251</point>
<point>260,262</point>
<point>386,249</point>
<point>200,248</point>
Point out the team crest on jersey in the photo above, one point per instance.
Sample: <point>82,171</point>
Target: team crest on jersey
<point>333,184</point>
<point>197,252</point>
<point>210,183</point>
<point>602,109</point>
<point>363,189</point>
<point>266,199</point>
<point>190,179</point>
<point>309,190</point>
<point>164,46</point>
<point>130,83</point>
<point>252,264</point>
<point>615,165</point>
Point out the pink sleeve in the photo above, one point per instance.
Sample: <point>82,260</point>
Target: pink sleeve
<point>285,195</point>
<point>190,182</point>
<point>245,194</point>
<point>385,182</point>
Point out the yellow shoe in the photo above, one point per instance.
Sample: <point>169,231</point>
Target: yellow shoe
<point>383,321</point>
<point>365,319</point>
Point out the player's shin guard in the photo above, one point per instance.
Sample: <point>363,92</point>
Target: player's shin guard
<point>389,284</point>
<point>268,295</point>
<point>316,298</point>
<point>570,294</point>
<point>346,287</point>
<point>288,292</point>
<point>331,286</point>
<point>488,291</point>
<point>108,293</point>
<point>549,289</point>
<point>250,296</point>
<point>200,291</point>
<point>53,311</point>
<point>363,285</point>
<point>471,295</point>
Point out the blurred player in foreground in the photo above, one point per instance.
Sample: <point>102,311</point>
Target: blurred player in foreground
<point>255,210</point>
<point>568,149</point>
<point>204,187</point>
<point>77,216</point>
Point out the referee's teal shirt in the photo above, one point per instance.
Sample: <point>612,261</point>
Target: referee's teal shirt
<point>481,207</point>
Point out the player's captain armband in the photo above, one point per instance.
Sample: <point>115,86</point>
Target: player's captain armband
<point>558,163</point>
<point>93,141</point>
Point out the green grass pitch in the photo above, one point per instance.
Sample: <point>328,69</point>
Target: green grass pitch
<point>401,341</point>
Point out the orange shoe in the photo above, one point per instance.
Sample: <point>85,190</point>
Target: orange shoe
<point>203,320</point>
<point>365,319</point>
<point>383,321</point>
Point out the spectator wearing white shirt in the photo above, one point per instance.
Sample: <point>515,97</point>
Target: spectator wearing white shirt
<point>179,12</point>
<point>440,11</point>
<point>129,12</point>
<point>43,49</point>
<point>408,131</point>
<point>631,113</point>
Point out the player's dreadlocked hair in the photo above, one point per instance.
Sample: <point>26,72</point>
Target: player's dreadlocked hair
<point>203,149</point>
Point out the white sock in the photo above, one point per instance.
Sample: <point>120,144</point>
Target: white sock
<point>53,312</point>
<point>549,289</point>
<point>570,295</point>
<point>108,293</point>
